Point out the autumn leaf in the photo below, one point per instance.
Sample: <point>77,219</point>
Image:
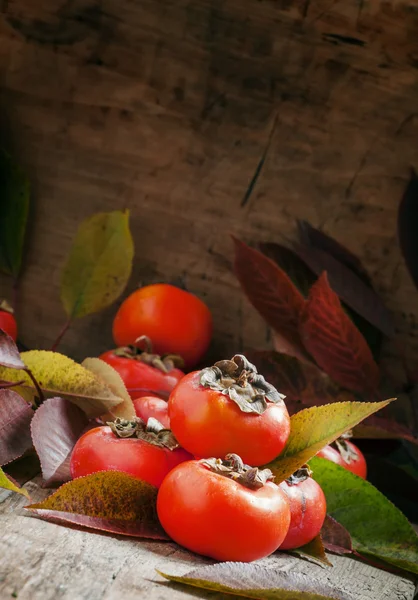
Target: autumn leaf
<point>306,385</point>
<point>303,384</point>
<point>272,294</point>
<point>315,238</point>
<point>9,354</point>
<point>15,418</point>
<point>15,193</point>
<point>7,484</point>
<point>58,375</point>
<point>314,552</point>
<point>105,372</point>
<point>109,501</point>
<point>335,537</point>
<point>377,528</point>
<point>377,427</point>
<point>99,264</point>
<point>257,581</point>
<point>350,288</point>
<point>313,428</point>
<point>55,428</point>
<point>300,274</point>
<point>335,343</point>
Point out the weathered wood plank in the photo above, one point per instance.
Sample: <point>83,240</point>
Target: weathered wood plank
<point>41,560</point>
<point>165,107</point>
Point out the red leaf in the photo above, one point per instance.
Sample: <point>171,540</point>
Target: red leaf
<point>356,294</point>
<point>272,294</point>
<point>335,343</point>
<point>15,419</point>
<point>287,259</point>
<point>315,238</point>
<point>55,428</point>
<point>109,501</point>
<point>335,537</point>
<point>314,551</point>
<point>377,427</point>
<point>9,354</point>
<point>302,383</point>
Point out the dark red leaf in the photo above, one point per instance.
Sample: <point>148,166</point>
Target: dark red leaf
<point>15,419</point>
<point>304,277</point>
<point>310,236</point>
<point>350,288</point>
<point>9,354</point>
<point>378,427</point>
<point>314,551</point>
<point>300,273</point>
<point>272,293</point>
<point>335,343</point>
<point>408,226</point>
<point>303,384</point>
<point>116,526</point>
<point>55,428</point>
<point>335,537</point>
<point>109,501</point>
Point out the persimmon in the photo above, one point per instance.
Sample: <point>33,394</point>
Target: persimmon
<point>176,321</point>
<point>223,509</point>
<point>147,452</point>
<point>229,407</point>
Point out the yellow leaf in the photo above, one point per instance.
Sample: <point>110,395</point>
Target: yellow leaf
<point>124,410</point>
<point>313,428</point>
<point>99,264</point>
<point>8,484</point>
<point>58,375</point>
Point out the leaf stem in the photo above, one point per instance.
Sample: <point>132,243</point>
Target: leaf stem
<point>61,335</point>
<point>37,387</point>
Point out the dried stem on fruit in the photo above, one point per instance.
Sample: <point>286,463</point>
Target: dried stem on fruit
<point>152,431</point>
<point>239,379</point>
<point>233,467</point>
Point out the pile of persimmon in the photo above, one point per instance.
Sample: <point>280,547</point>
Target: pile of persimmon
<point>203,438</point>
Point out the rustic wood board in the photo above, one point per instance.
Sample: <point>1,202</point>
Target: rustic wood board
<point>165,107</point>
<point>44,561</point>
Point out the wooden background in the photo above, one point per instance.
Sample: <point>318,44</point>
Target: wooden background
<point>165,107</point>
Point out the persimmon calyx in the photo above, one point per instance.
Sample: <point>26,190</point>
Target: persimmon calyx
<point>5,306</point>
<point>233,467</point>
<point>152,431</point>
<point>141,350</point>
<point>240,380</point>
<point>347,453</point>
<point>299,475</point>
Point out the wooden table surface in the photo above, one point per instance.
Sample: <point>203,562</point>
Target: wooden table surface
<point>40,560</point>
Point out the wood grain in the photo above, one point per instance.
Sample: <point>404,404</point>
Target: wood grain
<point>166,107</point>
<point>41,560</point>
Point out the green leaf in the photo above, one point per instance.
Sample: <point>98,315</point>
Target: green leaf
<point>313,428</point>
<point>110,501</point>
<point>14,203</point>
<point>376,526</point>
<point>256,581</point>
<point>8,484</point>
<point>99,264</point>
<point>58,375</point>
